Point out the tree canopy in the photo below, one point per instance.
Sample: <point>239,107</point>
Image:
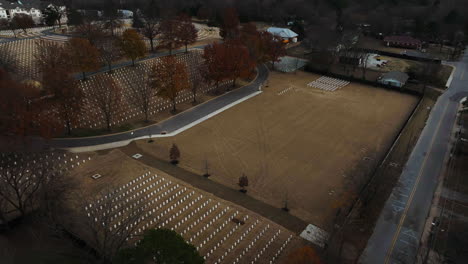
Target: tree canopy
<point>160,246</point>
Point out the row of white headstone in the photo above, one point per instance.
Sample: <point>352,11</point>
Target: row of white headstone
<point>233,245</point>
<point>328,83</point>
<point>267,245</point>
<point>251,244</point>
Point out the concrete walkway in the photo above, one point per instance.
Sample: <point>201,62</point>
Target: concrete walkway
<point>399,228</point>
<point>275,214</point>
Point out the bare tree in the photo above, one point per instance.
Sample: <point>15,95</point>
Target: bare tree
<point>197,74</point>
<point>107,95</point>
<point>23,182</point>
<point>150,30</point>
<point>108,224</point>
<point>109,50</point>
<point>92,31</point>
<point>111,16</point>
<point>143,92</point>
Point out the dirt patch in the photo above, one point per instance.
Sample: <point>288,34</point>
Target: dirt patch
<point>294,142</point>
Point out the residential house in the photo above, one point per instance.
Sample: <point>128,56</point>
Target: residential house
<point>394,78</point>
<point>285,33</point>
<point>403,42</point>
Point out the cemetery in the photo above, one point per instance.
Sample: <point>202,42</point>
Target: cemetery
<point>221,231</point>
<point>297,144</point>
<point>128,78</point>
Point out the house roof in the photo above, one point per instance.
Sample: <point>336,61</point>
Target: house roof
<point>396,75</point>
<point>26,4</point>
<point>282,32</point>
<point>403,39</point>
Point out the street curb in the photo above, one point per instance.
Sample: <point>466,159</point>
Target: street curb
<point>171,134</point>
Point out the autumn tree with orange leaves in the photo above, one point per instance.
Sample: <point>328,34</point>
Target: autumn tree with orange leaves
<point>83,56</point>
<point>303,255</point>
<point>274,47</point>
<point>22,114</point>
<point>241,65</point>
<point>132,45</point>
<point>61,88</point>
<point>227,61</point>
<point>187,33</point>
<point>106,94</point>
<point>169,77</point>
<point>217,65</point>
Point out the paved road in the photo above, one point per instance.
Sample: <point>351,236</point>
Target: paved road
<point>399,228</point>
<point>176,123</point>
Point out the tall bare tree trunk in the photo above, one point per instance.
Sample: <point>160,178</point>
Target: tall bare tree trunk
<point>174,110</point>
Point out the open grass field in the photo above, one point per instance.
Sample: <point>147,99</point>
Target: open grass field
<point>201,218</point>
<point>295,142</point>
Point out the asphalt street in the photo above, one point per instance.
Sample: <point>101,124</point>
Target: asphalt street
<point>176,122</point>
<point>399,228</point>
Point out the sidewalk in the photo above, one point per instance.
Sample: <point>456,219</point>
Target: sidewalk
<point>274,214</point>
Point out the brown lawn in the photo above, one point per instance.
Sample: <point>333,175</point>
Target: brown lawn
<point>303,144</point>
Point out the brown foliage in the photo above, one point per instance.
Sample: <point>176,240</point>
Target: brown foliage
<point>22,114</point>
<point>303,255</point>
<point>174,153</point>
<point>132,45</point>
<point>58,83</point>
<point>84,57</point>
<point>274,48</point>
<point>229,60</point>
<point>243,181</point>
<point>217,66</point>
<point>240,63</point>
<point>169,77</point>
<point>67,95</point>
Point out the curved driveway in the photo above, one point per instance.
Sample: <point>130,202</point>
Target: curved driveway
<point>177,123</point>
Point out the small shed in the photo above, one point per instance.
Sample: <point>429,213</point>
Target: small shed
<point>403,42</point>
<point>285,33</point>
<point>394,78</point>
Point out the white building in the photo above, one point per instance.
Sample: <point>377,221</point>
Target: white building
<point>285,33</point>
<point>29,7</point>
<point>3,13</point>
